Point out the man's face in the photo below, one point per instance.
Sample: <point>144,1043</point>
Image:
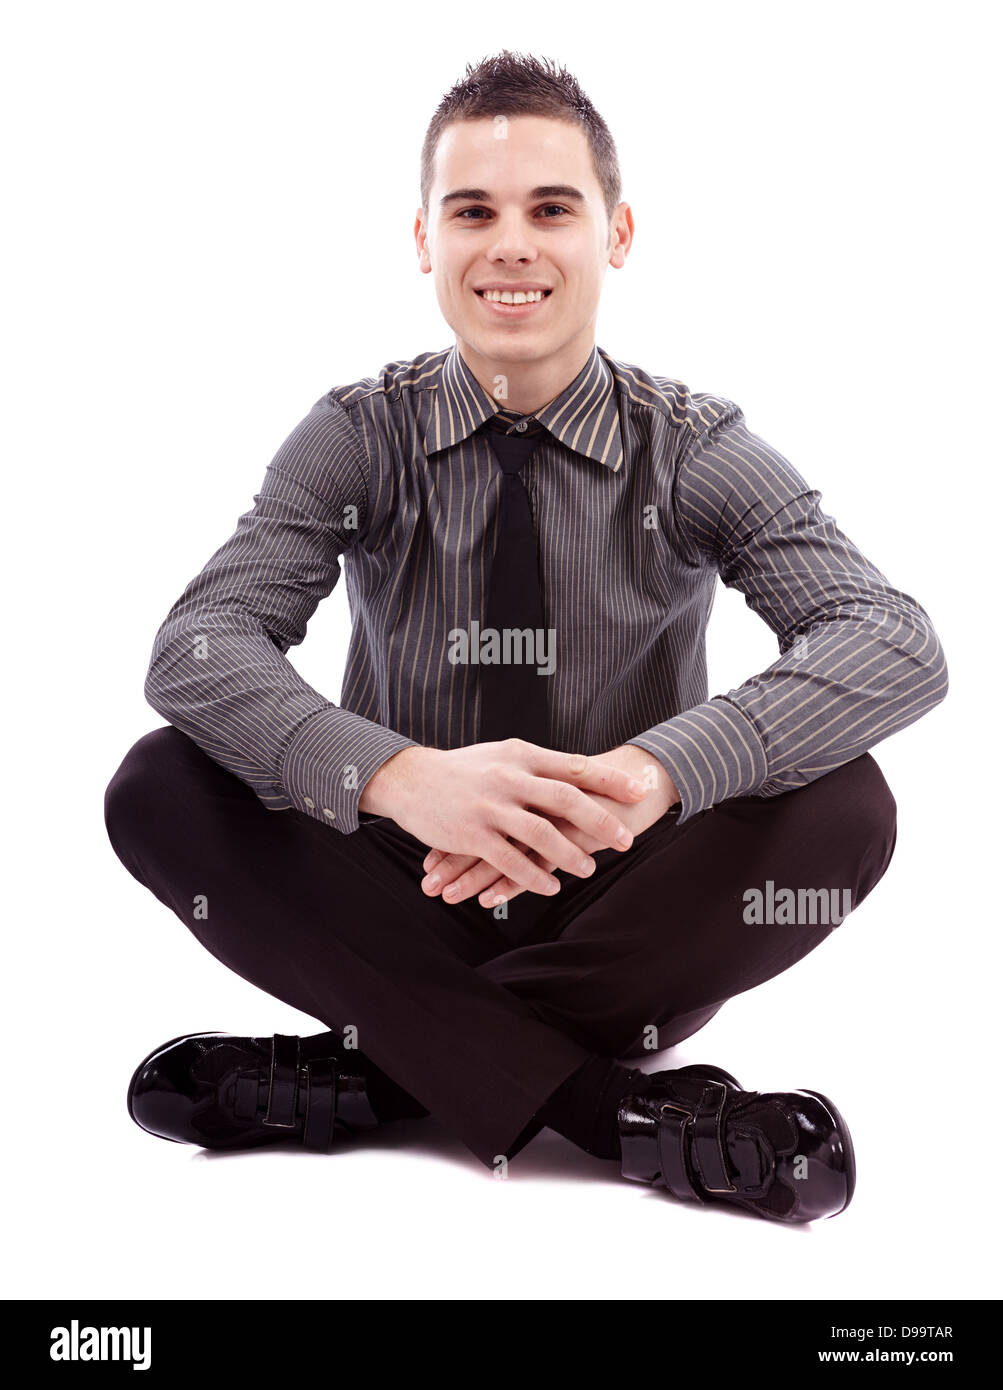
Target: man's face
<point>528,211</point>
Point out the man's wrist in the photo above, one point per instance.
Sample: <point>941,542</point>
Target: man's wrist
<point>391,781</point>
<point>647,769</point>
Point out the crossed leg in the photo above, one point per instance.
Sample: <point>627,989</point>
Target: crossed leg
<point>479,1031</point>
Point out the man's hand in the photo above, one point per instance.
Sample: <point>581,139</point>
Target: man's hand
<point>476,801</point>
<point>460,876</point>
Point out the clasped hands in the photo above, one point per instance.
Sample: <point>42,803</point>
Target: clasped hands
<point>581,804</point>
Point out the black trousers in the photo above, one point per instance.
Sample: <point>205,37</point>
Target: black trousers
<point>479,1018</point>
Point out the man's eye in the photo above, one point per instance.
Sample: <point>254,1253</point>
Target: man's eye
<point>548,207</point>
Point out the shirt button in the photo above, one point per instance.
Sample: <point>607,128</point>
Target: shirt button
<point>521,426</point>
<point>328,812</point>
<point>309,802</point>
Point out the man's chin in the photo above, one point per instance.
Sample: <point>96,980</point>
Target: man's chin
<point>518,347</point>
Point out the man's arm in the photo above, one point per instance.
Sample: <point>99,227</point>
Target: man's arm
<point>859,658</point>
<point>218,670</point>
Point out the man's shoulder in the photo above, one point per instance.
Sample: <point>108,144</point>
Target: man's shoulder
<point>394,379</point>
<point>689,412</point>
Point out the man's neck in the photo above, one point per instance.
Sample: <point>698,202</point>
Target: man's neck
<point>528,386</point>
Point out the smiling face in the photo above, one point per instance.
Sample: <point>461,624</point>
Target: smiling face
<point>515,204</point>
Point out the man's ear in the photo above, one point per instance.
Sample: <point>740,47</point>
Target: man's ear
<point>421,241</point>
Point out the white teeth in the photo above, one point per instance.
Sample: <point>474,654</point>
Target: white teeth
<point>508,297</point>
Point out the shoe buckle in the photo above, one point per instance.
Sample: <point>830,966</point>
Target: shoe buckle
<point>680,1109</point>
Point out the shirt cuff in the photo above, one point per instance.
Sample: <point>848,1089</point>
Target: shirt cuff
<point>712,752</point>
<point>329,760</point>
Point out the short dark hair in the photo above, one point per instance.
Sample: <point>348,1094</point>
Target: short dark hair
<point>518,84</point>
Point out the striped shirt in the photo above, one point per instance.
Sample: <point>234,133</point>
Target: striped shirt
<point>643,493</point>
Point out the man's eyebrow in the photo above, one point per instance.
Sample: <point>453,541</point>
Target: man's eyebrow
<point>545,190</point>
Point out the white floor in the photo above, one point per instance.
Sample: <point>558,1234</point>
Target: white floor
<point>892,1017</point>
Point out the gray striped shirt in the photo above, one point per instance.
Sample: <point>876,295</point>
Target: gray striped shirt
<point>643,493</point>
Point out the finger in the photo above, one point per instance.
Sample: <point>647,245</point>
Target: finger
<point>590,773</point>
<point>482,874</point>
<point>562,802</point>
<point>431,859</point>
<point>540,834</point>
<point>589,816</point>
<point>475,880</point>
<point>589,843</point>
<point>515,863</point>
<point>449,867</point>
<point>501,892</point>
<point>503,889</point>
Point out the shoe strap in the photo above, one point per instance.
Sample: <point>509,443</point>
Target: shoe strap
<point>335,1096</point>
<point>321,1088</point>
<point>708,1139</point>
<point>672,1151</point>
<point>691,1144</point>
<point>283,1081</point>
<point>335,1099</point>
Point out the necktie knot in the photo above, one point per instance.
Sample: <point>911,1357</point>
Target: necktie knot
<point>512,450</point>
<point>512,439</point>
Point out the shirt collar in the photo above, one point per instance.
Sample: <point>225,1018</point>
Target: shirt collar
<point>584,417</point>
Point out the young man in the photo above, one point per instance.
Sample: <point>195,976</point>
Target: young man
<point>526,845</point>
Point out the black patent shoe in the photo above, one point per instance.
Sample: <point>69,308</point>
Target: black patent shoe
<point>709,1073</point>
<point>786,1156</point>
<point>226,1092</point>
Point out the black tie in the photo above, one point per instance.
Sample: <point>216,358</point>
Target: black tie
<point>513,695</point>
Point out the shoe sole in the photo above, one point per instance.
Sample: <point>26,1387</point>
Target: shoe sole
<point>847,1146</point>
<point>215,1032</point>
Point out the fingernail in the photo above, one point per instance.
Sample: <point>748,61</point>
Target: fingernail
<point>624,837</point>
<point>586,866</point>
<point>434,881</point>
<point>636,786</point>
<point>553,887</point>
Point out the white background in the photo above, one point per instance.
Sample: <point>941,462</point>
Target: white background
<point>209,224</point>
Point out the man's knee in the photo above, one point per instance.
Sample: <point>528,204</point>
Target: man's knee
<point>862,820</point>
<point>840,828</point>
<point>867,804</point>
<point>137,781</point>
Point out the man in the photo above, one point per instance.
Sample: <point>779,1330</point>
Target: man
<point>526,846</point>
